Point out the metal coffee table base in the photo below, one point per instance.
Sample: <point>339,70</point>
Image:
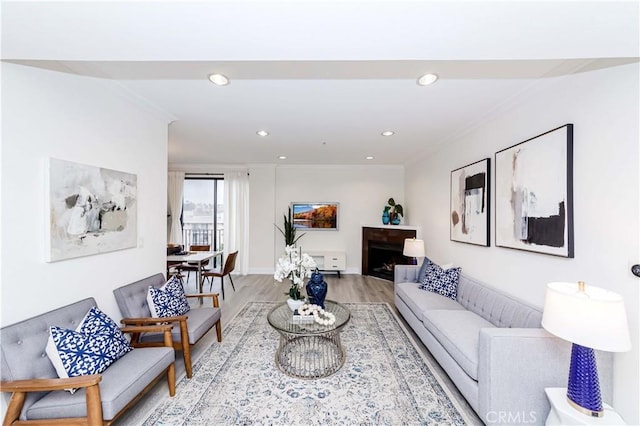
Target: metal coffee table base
<point>310,356</point>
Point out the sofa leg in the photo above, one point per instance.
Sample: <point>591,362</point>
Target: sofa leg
<point>171,379</point>
<point>219,330</point>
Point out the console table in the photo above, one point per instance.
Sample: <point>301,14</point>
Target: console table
<point>332,261</point>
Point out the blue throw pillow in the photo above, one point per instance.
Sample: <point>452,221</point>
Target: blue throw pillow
<point>90,349</point>
<point>423,269</point>
<point>97,322</point>
<point>168,300</point>
<point>441,281</point>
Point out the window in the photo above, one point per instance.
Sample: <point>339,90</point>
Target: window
<point>203,211</point>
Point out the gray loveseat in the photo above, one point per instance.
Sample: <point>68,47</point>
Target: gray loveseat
<point>492,347</point>
<point>39,394</point>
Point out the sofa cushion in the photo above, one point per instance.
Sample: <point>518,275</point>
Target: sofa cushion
<point>458,331</point>
<point>200,321</point>
<point>419,300</point>
<point>121,382</point>
<point>168,300</point>
<point>441,281</point>
<point>132,298</point>
<point>498,308</point>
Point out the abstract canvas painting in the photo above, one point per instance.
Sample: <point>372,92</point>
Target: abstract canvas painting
<point>91,210</point>
<point>469,218</point>
<point>534,194</point>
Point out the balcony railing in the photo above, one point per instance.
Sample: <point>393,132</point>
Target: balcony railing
<point>203,234</point>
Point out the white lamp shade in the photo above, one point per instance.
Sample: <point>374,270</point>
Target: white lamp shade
<point>413,247</point>
<point>594,318</point>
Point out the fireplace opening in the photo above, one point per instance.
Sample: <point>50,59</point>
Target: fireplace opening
<point>383,258</point>
<point>382,250</point>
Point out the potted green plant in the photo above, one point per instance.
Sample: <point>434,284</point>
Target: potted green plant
<point>289,231</point>
<point>395,211</point>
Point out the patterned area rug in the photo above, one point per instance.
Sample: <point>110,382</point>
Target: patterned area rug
<point>385,379</point>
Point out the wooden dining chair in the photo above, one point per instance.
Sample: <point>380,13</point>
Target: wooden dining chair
<point>190,266</point>
<point>229,265</point>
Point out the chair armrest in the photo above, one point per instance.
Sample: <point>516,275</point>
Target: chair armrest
<point>214,298</point>
<point>146,328</point>
<point>137,329</point>
<point>20,388</point>
<point>153,321</point>
<point>514,367</point>
<point>44,385</point>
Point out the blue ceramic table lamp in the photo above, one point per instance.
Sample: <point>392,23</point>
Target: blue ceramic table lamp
<point>590,318</point>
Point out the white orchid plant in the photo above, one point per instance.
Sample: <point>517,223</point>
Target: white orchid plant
<point>295,265</point>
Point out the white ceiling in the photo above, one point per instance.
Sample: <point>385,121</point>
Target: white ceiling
<point>324,78</point>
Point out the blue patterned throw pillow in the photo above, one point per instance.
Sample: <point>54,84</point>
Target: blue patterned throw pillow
<point>168,300</point>
<point>97,322</point>
<point>90,349</point>
<point>441,281</point>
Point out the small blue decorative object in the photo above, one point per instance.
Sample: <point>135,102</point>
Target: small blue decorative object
<point>385,217</point>
<point>584,388</point>
<point>317,289</point>
<point>396,220</point>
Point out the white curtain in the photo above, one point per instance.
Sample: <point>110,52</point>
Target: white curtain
<point>175,189</point>
<point>236,218</point>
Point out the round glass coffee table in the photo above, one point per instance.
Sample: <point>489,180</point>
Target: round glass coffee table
<point>309,350</point>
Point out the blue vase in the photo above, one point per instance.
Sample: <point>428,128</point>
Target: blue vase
<point>317,289</point>
<point>385,217</point>
<point>396,220</point>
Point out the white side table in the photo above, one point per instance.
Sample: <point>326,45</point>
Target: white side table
<point>562,413</point>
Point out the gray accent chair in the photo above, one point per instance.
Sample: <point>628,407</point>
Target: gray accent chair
<point>187,329</point>
<point>492,347</point>
<point>37,392</point>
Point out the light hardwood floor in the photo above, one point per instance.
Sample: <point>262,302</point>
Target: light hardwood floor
<point>347,289</point>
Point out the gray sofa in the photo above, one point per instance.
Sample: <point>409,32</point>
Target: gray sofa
<point>27,371</point>
<point>492,347</point>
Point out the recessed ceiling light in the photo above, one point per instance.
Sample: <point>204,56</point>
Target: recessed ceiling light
<point>283,157</point>
<point>218,79</point>
<point>387,133</point>
<point>262,133</point>
<point>369,157</point>
<point>427,79</point>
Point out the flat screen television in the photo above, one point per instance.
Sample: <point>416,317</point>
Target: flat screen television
<point>315,216</point>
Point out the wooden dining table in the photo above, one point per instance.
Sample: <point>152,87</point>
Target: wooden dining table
<point>195,258</point>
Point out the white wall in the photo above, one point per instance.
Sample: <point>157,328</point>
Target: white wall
<point>85,120</point>
<point>362,192</point>
<point>604,108</point>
